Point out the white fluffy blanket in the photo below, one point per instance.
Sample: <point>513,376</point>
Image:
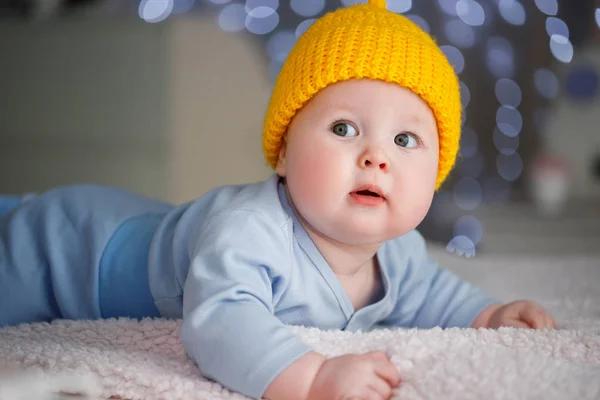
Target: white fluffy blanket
<point>144,360</point>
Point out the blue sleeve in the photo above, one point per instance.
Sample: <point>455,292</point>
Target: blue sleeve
<point>431,296</point>
<point>239,269</point>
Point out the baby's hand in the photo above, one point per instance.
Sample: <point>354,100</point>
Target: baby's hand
<point>370,376</point>
<point>520,314</point>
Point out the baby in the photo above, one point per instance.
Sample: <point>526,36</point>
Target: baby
<point>363,127</point>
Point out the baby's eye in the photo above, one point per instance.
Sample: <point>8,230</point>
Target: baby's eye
<point>344,129</point>
<point>406,140</point>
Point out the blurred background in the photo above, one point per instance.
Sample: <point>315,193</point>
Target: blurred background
<point>167,98</point>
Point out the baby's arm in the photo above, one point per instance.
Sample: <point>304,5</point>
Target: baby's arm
<point>295,381</point>
<point>237,273</point>
<point>431,296</point>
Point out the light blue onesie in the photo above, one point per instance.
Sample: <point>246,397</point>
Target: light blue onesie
<point>235,264</point>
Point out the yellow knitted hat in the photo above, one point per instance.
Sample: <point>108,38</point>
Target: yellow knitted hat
<point>367,41</point>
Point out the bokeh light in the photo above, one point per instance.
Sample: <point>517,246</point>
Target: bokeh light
<point>508,92</point>
<point>262,20</point>
<point>509,167</point>
<point>512,11</point>
<point>154,11</point>
<point>509,120</point>
<point>419,21</point>
<point>556,26</point>
<point>398,6</point>
<point>252,5</point>
<point>459,33</point>
<point>465,94</point>
<point>500,57</point>
<point>469,226</point>
<point>232,18</point>
<point>506,145</point>
<point>561,48</point>
<point>468,194</point>
<point>280,44</point>
<point>548,7</point>
<point>307,8</point>
<point>470,12</point>
<point>448,6</point>
<point>462,246</point>
<point>455,57</point>
<point>303,26</point>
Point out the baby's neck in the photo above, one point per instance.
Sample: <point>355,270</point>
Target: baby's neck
<point>345,260</point>
<point>356,267</point>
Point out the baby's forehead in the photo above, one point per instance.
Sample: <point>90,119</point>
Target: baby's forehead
<point>371,96</point>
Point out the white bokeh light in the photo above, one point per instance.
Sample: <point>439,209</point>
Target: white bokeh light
<point>597,16</point>
<point>419,21</point>
<point>561,48</point>
<point>398,6</point>
<point>508,92</point>
<point>232,18</point>
<point>546,83</point>
<point>448,6</point>
<point>462,246</point>
<point>509,120</point>
<point>465,94</point>
<point>500,57</point>
<point>505,144</point>
<point>455,57</point>
<point>280,44</point>
<point>468,194</point>
<point>303,26</point>
<point>548,7</point>
<point>219,1</point>
<point>459,33</point>
<point>509,167</point>
<point>512,11</point>
<point>556,26</point>
<point>307,8</point>
<point>469,226</point>
<point>261,4</point>
<point>470,12</point>
<point>154,11</point>
<point>262,20</point>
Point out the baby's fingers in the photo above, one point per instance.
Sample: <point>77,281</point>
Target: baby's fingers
<point>534,316</point>
<point>381,387</point>
<point>387,370</point>
<point>550,322</point>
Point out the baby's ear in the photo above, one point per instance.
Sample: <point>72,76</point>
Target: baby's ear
<point>280,168</point>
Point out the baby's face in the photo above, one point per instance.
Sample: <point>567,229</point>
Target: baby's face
<point>361,161</point>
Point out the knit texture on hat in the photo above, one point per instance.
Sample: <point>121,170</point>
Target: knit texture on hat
<point>366,41</point>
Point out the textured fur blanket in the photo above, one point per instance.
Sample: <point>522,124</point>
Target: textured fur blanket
<point>144,360</point>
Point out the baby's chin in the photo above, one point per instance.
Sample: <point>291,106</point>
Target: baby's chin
<point>365,235</point>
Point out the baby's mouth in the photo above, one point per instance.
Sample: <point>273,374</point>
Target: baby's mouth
<point>367,193</point>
